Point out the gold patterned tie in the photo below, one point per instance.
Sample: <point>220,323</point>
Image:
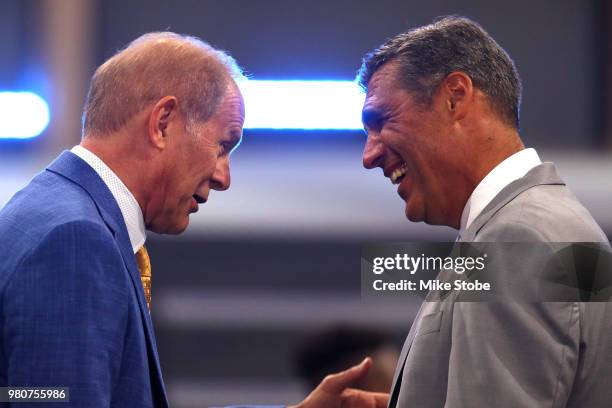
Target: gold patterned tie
<point>144,266</point>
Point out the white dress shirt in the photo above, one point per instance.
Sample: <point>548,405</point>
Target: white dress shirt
<point>511,169</point>
<point>132,214</point>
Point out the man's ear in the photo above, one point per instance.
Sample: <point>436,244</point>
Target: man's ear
<point>458,92</point>
<point>163,112</point>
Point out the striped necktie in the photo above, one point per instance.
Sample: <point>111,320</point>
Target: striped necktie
<point>144,266</point>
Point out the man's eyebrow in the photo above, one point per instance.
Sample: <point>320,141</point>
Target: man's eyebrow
<point>236,135</point>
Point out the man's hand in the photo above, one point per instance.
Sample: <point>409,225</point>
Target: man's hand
<point>334,391</point>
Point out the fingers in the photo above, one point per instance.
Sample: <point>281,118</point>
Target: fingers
<point>336,383</point>
<point>352,398</point>
<point>381,400</point>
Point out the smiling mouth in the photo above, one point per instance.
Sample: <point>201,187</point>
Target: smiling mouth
<point>199,199</point>
<point>398,174</point>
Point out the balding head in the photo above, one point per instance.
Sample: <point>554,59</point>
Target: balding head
<point>151,67</point>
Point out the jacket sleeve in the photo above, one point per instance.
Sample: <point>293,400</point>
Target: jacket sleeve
<point>65,315</point>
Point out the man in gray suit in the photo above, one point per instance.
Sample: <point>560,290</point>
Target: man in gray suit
<point>442,118</point>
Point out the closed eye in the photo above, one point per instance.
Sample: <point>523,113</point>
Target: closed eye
<point>230,146</point>
<point>225,148</point>
<point>373,120</point>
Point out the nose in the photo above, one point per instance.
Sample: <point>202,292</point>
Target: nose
<point>221,177</point>
<point>373,153</point>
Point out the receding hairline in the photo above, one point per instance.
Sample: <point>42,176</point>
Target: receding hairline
<point>143,72</point>
<point>163,41</point>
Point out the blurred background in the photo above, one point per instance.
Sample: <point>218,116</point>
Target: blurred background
<point>263,291</point>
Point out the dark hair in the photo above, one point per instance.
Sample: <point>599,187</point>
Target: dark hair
<point>426,55</point>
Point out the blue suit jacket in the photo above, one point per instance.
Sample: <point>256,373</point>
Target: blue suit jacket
<point>72,308</point>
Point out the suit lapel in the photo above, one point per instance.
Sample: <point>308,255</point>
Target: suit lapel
<point>402,358</point>
<point>544,174</point>
<point>75,169</point>
<point>425,309</point>
<point>406,347</point>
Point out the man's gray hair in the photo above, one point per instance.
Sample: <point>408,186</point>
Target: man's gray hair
<point>151,67</point>
<point>426,55</point>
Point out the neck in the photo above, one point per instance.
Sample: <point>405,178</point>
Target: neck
<point>494,149</point>
<point>116,151</point>
<point>488,150</point>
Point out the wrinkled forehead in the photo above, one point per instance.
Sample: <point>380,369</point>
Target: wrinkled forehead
<point>383,80</point>
<point>233,103</point>
<point>381,89</point>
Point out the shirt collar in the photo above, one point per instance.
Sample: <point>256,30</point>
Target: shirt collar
<point>132,214</point>
<point>509,170</point>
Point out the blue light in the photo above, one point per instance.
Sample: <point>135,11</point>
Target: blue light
<point>302,104</point>
<point>23,115</point>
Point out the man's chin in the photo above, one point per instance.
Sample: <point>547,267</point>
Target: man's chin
<point>180,227</point>
<point>414,212</point>
<point>170,228</point>
<point>417,213</point>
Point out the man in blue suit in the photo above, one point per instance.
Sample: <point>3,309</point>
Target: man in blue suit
<point>160,121</point>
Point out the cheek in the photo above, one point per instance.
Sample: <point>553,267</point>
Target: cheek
<point>194,173</point>
<point>205,166</point>
<point>399,140</point>
<point>210,169</point>
<point>176,191</point>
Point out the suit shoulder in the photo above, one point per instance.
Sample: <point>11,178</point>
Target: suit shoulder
<point>48,204</point>
<point>543,213</point>
<point>63,248</point>
<point>48,200</point>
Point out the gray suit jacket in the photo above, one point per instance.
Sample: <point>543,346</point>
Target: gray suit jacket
<point>513,354</point>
